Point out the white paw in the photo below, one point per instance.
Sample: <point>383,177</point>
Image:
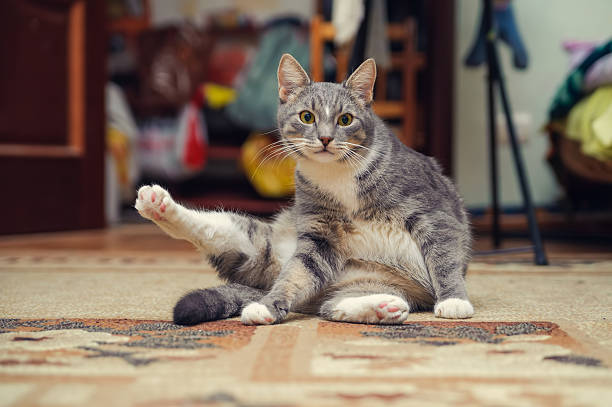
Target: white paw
<point>454,308</point>
<point>155,203</point>
<point>256,314</point>
<point>372,309</point>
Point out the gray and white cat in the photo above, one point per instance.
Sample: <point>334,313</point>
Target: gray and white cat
<point>376,230</point>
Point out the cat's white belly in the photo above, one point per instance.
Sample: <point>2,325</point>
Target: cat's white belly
<point>390,245</point>
<point>285,246</point>
<point>370,241</point>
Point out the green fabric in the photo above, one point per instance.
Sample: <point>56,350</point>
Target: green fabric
<point>572,90</point>
<point>257,102</point>
<point>590,123</point>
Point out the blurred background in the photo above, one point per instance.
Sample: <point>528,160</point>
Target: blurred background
<point>99,97</point>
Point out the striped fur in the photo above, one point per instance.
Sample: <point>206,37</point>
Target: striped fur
<point>376,230</point>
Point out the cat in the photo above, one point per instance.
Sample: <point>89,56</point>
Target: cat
<point>375,232</point>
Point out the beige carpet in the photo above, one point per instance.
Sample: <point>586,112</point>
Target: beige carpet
<point>87,328</point>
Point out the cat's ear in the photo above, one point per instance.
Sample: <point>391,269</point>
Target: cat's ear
<point>291,76</point>
<point>362,80</point>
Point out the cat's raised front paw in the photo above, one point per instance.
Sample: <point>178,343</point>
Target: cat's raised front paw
<point>256,314</point>
<point>454,308</point>
<point>154,203</point>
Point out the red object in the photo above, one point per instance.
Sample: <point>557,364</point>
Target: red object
<point>198,99</point>
<point>194,155</point>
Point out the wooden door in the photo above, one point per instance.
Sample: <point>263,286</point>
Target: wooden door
<point>52,77</point>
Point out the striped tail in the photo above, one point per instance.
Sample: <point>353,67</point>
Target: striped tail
<point>215,303</point>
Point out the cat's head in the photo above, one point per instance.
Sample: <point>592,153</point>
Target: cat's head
<point>323,121</point>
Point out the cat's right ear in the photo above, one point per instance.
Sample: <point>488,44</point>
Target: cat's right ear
<point>291,76</point>
<point>362,81</point>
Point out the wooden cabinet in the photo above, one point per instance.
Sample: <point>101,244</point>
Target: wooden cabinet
<point>52,78</point>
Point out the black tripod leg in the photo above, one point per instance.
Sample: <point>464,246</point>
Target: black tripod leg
<point>492,78</point>
<point>496,77</point>
<point>534,231</point>
<point>493,159</point>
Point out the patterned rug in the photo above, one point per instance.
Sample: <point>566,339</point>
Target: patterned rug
<point>88,329</point>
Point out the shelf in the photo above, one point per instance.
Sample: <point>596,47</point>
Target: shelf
<point>131,26</point>
<point>387,109</point>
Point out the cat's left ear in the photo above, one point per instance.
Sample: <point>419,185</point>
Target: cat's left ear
<point>362,80</point>
<point>291,76</point>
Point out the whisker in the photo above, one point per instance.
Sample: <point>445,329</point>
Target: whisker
<point>373,151</point>
<point>370,170</point>
<point>270,132</point>
<point>275,144</point>
<point>268,147</point>
<point>364,167</point>
<point>353,154</point>
<point>268,157</point>
<point>278,152</point>
<point>351,158</point>
<point>282,150</point>
<point>287,155</point>
<point>359,145</point>
<point>350,161</point>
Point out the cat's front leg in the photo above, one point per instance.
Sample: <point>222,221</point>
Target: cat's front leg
<point>299,280</point>
<point>444,243</point>
<point>311,268</point>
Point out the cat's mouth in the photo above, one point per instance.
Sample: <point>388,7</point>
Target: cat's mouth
<point>324,155</point>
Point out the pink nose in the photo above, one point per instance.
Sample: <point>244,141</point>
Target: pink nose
<point>325,140</point>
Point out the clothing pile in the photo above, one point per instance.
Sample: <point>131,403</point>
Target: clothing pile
<point>582,107</point>
<point>580,126</point>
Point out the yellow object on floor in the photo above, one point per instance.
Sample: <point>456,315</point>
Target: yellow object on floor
<point>269,169</point>
<point>218,96</point>
<point>590,123</point>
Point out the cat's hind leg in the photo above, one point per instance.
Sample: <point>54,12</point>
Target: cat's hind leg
<point>214,303</point>
<point>362,306</point>
<point>155,203</point>
<point>207,230</point>
<point>372,294</point>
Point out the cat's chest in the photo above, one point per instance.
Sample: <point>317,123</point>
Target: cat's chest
<point>339,185</point>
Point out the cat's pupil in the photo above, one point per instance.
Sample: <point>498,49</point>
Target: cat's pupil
<point>307,117</point>
<point>344,119</point>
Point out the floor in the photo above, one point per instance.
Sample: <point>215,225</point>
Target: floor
<point>84,321</point>
<point>144,238</point>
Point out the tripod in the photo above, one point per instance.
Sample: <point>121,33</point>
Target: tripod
<point>495,79</point>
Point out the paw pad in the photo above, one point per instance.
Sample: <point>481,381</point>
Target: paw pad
<point>153,201</point>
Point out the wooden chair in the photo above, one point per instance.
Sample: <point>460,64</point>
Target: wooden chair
<point>132,25</point>
<point>409,61</point>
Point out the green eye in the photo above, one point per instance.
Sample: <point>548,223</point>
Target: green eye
<point>307,117</point>
<point>345,119</point>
